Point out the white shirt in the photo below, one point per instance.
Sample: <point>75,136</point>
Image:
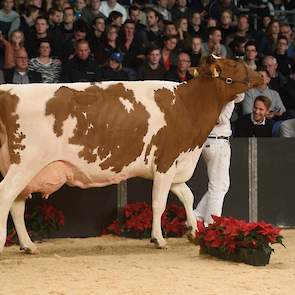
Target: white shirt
<point>223,128</point>
<point>106,10</point>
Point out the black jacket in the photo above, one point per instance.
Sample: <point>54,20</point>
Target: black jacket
<point>34,77</point>
<point>76,70</point>
<point>246,128</point>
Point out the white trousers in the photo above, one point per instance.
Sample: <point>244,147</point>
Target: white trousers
<point>216,153</point>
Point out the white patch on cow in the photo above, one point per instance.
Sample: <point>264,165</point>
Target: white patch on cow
<point>127,104</point>
<point>85,115</point>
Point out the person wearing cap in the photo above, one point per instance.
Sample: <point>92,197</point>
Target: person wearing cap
<point>114,71</point>
<point>217,154</point>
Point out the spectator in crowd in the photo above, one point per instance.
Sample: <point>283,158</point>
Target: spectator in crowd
<point>181,10</point>
<point>79,6</point>
<point>243,30</point>
<point>213,45</point>
<point>162,8</point>
<point>108,6</point>
<point>80,33</point>
<point>216,8</point>
<point>196,27</point>
<point>11,47</point>
<point>287,128</point>
<point>67,27</point>
<point>152,69</point>
<point>250,57</point>
<point>184,38</point>
<point>91,11</point>
<point>277,79</point>
<point>267,43</point>
<point>81,68</point>
<point>180,73</point>
<point>226,24</point>
<point>9,19</point>
<point>152,32</point>
<point>109,45</point>
<point>170,28</point>
<point>169,56</point>
<point>55,18</point>
<point>257,123</point>
<point>114,70</point>
<point>27,20</point>
<point>286,31</point>
<point>135,16</point>
<point>285,62</point>
<point>131,47</point>
<point>237,47</point>
<point>115,18</point>
<point>277,107</point>
<point>196,55</point>
<point>21,74</point>
<point>97,33</point>
<point>49,68</point>
<point>41,31</point>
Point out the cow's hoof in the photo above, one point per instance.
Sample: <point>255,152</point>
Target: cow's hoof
<point>192,238</point>
<point>32,250</point>
<point>159,244</point>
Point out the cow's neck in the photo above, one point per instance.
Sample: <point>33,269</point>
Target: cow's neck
<point>204,99</point>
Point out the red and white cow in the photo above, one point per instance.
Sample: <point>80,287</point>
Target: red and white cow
<point>92,135</point>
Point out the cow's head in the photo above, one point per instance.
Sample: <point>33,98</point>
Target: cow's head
<point>233,76</point>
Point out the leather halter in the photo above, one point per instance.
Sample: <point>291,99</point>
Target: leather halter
<point>229,80</point>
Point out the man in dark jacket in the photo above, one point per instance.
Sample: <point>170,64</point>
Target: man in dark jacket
<point>81,68</point>
<point>256,124</point>
<point>152,69</point>
<point>20,73</point>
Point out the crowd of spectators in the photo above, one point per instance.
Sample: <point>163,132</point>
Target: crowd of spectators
<point>91,40</point>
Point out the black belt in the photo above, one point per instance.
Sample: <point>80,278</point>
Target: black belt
<point>220,137</point>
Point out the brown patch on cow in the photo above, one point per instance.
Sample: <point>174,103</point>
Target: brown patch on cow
<point>105,129</point>
<point>8,104</point>
<point>187,124</point>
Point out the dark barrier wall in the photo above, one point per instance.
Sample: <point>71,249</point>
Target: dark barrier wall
<point>276,180</point>
<point>87,212</point>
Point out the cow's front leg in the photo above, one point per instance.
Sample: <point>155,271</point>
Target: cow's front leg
<point>17,211</point>
<point>185,195</point>
<point>161,187</point>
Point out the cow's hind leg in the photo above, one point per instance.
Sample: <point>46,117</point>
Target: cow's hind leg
<point>185,195</point>
<point>17,211</point>
<point>161,187</point>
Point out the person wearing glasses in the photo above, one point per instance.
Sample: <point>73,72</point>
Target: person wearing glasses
<point>180,73</point>
<point>21,74</point>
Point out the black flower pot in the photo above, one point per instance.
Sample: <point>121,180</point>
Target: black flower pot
<point>249,256</point>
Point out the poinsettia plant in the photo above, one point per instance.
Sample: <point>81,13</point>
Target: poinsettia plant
<point>230,235</point>
<point>41,221</point>
<point>137,221</point>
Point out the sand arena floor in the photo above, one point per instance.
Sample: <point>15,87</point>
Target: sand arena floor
<point>109,265</point>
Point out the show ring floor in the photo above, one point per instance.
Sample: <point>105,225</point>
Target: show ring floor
<point>108,265</point>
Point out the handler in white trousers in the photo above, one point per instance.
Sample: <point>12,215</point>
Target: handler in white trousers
<point>217,153</point>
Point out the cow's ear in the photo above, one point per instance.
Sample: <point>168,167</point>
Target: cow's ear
<point>194,71</point>
<point>215,70</point>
